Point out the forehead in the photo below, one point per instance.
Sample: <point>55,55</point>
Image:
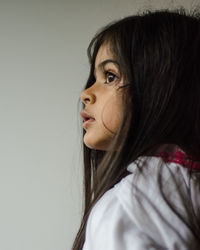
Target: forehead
<point>104,53</point>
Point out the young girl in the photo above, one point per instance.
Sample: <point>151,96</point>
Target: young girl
<point>141,121</point>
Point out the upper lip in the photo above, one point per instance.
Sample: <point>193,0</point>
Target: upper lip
<point>85,115</point>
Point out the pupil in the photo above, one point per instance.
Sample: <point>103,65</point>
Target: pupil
<point>110,78</point>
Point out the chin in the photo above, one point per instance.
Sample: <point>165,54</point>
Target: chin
<point>96,145</point>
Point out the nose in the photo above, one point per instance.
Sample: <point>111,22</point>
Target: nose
<point>87,96</point>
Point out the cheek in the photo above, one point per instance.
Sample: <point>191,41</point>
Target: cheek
<point>112,114</point>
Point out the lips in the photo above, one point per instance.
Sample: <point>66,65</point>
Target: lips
<point>87,118</point>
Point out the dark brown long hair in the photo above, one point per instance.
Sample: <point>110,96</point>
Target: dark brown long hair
<point>159,54</point>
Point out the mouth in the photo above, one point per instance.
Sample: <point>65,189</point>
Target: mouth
<point>87,118</point>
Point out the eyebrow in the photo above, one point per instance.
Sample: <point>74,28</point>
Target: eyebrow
<point>102,64</point>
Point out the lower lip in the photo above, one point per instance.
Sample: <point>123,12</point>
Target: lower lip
<point>88,122</point>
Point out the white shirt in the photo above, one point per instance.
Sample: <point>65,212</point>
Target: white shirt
<point>133,215</point>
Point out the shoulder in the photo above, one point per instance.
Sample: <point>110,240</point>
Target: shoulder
<point>134,211</point>
<point>158,184</point>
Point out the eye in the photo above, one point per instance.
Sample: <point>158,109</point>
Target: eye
<point>110,77</point>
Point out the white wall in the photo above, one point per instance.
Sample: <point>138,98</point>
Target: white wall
<point>43,67</point>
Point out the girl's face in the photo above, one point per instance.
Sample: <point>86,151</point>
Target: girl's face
<point>102,114</point>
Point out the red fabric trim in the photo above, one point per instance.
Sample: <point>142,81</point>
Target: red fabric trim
<point>181,158</point>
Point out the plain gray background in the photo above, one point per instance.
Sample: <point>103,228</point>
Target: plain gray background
<point>44,66</point>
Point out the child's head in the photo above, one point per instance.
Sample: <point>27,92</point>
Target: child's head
<point>157,76</point>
